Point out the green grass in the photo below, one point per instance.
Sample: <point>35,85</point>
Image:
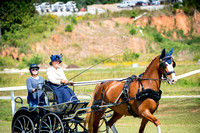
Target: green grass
<point>189,85</point>
<point>176,116</point>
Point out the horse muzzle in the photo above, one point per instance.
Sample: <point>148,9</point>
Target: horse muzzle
<point>171,79</point>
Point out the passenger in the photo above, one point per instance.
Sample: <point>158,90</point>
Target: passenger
<point>58,81</point>
<point>33,83</point>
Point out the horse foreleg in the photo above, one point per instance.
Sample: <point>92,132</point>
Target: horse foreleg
<point>147,115</point>
<point>143,124</point>
<point>111,122</point>
<point>146,110</point>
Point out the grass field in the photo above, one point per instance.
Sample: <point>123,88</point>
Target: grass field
<point>176,115</point>
<point>186,86</point>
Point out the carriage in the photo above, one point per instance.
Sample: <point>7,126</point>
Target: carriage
<point>53,117</point>
<point>138,96</point>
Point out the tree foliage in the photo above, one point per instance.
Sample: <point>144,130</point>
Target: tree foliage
<point>189,6</point>
<point>15,14</point>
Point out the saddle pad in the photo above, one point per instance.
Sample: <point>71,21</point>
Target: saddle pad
<point>149,93</point>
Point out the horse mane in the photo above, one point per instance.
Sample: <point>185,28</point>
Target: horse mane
<point>151,63</point>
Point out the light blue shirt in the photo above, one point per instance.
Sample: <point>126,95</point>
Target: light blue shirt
<point>31,84</point>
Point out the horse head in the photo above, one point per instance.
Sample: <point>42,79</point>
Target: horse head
<point>167,65</point>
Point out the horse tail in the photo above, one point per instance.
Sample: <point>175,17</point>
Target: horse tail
<point>90,116</point>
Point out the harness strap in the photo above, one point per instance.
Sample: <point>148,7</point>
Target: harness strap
<point>130,110</point>
<point>140,83</point>
<point>101,100</point>
<point>125,94</point>
<point>170,72</point>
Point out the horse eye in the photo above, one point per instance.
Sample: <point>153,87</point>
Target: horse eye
<point>164,64</point>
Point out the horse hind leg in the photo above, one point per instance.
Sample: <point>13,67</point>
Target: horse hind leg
<point>111,122</point>
<point>97,117</point>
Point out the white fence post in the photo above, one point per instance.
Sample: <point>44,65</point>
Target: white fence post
<point>12,102</point>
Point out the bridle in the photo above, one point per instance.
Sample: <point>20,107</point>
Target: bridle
<point>164,65</point>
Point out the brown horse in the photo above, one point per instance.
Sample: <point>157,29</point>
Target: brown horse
<point>110,91</point>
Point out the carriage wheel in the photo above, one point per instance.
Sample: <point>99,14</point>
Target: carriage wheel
<point>103,126</point>
<point>51,123</point>
<point>23,124</point>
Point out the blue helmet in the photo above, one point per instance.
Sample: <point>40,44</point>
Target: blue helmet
<point>33,66</point>
<point>56,57</point>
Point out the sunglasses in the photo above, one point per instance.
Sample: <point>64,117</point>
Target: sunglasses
<point>34,69</point>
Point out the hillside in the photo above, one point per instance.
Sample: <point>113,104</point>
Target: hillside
<point>110,36</point>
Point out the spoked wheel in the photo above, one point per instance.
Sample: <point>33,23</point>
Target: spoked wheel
<point>103,126</point>
<point>23,124</point>
<point>51,123</point>
<point>75,126</point>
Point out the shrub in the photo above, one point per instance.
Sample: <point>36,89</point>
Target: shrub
<point>116,24</point>
<point>100,24</point>
<point>176,6</point>
<point>158,37</point>
<point>88,23</point>
<point>69,28</point>
<point>189,6</point>
<point>169,33</point>
<point>133,14</point>
<point>73,20</point>
<point>35,59</point>
<point>129,56</point>
<point>132,31</point>
<point>196,57</point>
<point>180,33</point>
<point>6,62</point>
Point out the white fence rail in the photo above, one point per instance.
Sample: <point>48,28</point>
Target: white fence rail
<point>12,89</point>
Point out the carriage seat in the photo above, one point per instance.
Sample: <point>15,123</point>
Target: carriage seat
<point>49,93</point>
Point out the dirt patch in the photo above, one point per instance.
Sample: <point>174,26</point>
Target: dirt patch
<point>99,37</point>
<point>165,23</point>
<point>138,45</point>
<point>12,52</point>
<point>182,22</point>
<point>196,25</point>
<point>143,21</point>
<point>123,20</point>
<point>196,110</point>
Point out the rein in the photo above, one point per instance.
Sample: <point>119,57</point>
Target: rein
<point>93,66</point>
<point>162,79</point>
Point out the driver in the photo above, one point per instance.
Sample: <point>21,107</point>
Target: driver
<point>58,81</point>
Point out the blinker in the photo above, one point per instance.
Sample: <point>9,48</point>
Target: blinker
<point>174,63</point>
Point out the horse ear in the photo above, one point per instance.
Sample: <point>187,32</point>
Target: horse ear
<point>162,54</point>
<point>171,51</point>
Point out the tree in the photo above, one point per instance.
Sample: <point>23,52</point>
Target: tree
<point>189,6</point>
<point>15,14</point>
